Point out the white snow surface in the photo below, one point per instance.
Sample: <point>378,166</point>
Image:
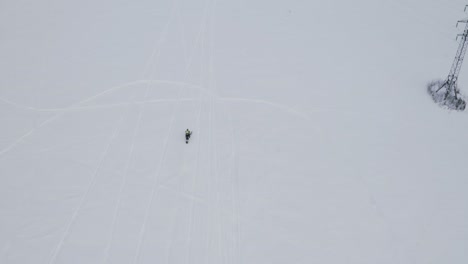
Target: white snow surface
<point>314,140</point>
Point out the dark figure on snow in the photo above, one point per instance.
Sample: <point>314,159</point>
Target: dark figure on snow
<point>188,133</point>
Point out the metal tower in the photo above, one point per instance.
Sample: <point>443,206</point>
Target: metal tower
<point>450,84</point>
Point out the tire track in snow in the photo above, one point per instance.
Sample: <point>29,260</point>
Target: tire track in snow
<point>209,151</point>
<point>157,46</point>
<point>197,170</point>
<point>215,175</point>
<point>215,238</point>
<point>171,242</point>
<point>318,129</point>
<point>194,178</point>
<point>116,105</point>
<point>210,231</point>
<point>123,184</point>
<point>75,105</point>
<point>186,85</point>
<point>221,235</point>
<point>161,162</point>
<point>153,60</point>
<point>235,190</point>
<point>380,214</point>
<point>275,105</point>
<point>71,144</point>
<point>54,117</point>
<point>91,184</point>
<point>88,99</point>
<point>183,34</point>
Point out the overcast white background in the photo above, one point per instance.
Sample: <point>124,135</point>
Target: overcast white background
<point>314,140</point>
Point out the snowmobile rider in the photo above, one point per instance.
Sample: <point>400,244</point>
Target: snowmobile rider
<point>188,133</point>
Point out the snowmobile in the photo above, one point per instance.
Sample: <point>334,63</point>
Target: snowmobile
<point>188,133</point>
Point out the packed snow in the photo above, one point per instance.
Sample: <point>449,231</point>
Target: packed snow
<point>314,140</point>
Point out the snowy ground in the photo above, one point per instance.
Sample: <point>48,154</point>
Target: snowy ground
<point>314,140</point>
